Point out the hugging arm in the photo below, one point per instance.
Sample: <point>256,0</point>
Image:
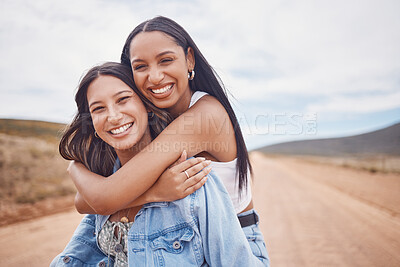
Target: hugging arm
<point>190,132</point>
<point>172,185</point>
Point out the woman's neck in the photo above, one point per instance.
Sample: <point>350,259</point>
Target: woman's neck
<point>125,155</point>
<point>182,105</point>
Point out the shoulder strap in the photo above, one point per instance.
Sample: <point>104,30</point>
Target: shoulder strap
<point>196,96</point>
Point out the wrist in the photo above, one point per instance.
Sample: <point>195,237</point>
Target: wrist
<point>151,196</point>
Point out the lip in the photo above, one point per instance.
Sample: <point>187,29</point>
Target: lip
<point>161,95</point>
<point>123,133</point>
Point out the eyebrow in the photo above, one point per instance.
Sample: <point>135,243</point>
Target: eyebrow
<point>158,55</point>
<point>116,94</point>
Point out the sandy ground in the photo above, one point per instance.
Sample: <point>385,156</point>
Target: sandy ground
<point>311,215</point>
<point>320,215</point>
<point>36,242</point>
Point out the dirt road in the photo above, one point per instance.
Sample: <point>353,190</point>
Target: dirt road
<point>321,215</point>
<point>311,215</point>
<point>36,242</point>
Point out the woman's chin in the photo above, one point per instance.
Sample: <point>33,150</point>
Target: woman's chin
<point>122,146</point>
<point>164,103</point>
<point>120,143</point>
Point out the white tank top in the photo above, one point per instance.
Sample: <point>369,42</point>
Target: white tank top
<point>226,171</point>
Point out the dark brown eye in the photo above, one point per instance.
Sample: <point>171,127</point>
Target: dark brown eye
<point>165,60</point>
<point>138,67</point>
<point>97,109</point>
<point>123,98</point>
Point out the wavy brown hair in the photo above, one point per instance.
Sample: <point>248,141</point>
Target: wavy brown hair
<point>78,141</point>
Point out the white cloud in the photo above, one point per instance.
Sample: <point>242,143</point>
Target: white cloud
<point>309,47</point>
<point>357,104</point>
<point>262,49</point>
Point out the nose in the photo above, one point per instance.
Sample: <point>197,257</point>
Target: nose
<point>155,76</point>
<point>114,116</point>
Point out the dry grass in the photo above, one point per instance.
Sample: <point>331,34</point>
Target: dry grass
<point>47,131</point>
<point>369,163</point>
<point>31,171</point>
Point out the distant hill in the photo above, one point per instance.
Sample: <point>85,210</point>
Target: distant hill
<point>48,131</point>
<point>384,141</point>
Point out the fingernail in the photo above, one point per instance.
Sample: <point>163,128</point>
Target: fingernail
<point>201,158</point>
<point>207,162</point>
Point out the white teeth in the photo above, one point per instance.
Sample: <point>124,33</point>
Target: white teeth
<point>121,129</point>
<point>162,90</point>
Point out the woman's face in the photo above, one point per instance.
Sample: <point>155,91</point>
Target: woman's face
<point>160,70</point>
<point>119,116</point>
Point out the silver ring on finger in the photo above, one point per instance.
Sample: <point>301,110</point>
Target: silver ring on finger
<point>187,175</point>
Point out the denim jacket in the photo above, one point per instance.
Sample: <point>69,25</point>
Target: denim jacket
<point>82,249</point>
<point>199,230</point>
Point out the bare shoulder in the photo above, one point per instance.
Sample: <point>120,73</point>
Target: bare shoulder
<point>210,127</point>
<point>217,128</point>
<point>210,105</point>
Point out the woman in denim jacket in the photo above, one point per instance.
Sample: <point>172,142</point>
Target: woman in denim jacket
<point>171,72</point>
<point>199,230</point>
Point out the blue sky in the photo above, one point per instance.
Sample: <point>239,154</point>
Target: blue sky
<point>297,69</point>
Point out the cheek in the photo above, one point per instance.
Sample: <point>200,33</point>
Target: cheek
<point>143,125</point>
<point>139,81</point>
<point>97,123</point>
<point>181,74</point>
<point>138,111</point>
<point>142,119</point>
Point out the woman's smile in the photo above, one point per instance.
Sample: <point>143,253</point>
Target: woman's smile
<point>162,92</point>
<point>121,130</point>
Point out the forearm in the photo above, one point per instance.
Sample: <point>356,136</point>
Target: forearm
<point>124,188</point>
<point>134,178</point>
<point>145,198</point>
<point>82,206</point>
<point>102,195</point>
<point>108,195</point>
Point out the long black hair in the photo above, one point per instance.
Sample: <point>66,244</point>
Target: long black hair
<point>79,142</point>
<point>206,79</point>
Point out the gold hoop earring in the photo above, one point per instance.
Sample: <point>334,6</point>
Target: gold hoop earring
<point>96,135</point>
<point>191,75</point>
